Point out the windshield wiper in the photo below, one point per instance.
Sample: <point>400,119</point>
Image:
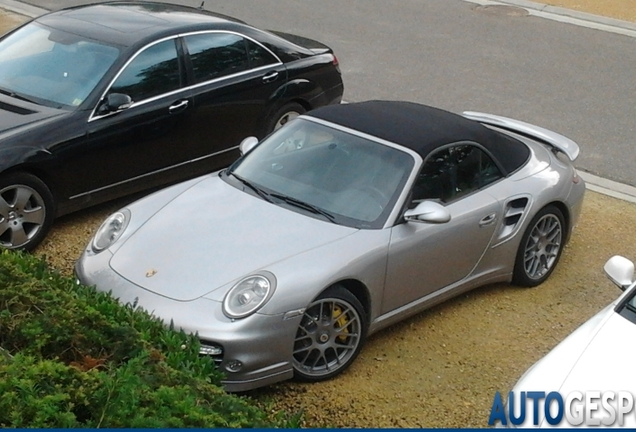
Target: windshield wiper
<point>15,95</point>
<point>305,206</point>
<point>260,192</point>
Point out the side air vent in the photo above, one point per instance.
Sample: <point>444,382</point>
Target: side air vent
<point>513,215</point>
<point>15,109</point>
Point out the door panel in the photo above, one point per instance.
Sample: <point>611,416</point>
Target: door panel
<point>235,79</point>
<point>226,112</point>
<point>143,139</point>
<point>149,135</point>
<point>424,258</point>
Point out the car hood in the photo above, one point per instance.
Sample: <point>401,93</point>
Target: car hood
<point>212,235</point>
<point>15,114</point>
<point>605,363</point>
<point>596,356</point>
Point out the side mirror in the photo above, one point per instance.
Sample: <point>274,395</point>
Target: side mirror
<point>247,144</point>
<point>115,102</point>
<point>620,270</point>
<point>428,211</point>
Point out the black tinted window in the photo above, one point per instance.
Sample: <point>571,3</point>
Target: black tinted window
<point>214,55</point>
<point>454,172</point>
<point>153,72</point>
<point>259,56</point>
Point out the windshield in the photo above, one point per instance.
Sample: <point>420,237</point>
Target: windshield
<point>348,179</point>
<point>51,67</point>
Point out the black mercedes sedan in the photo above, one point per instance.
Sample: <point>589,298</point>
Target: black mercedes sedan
<point>104,100</point>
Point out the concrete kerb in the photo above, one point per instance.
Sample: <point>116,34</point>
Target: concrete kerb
<point>609,187</point>
<point>22,8</point>
<point>593,182</point>
<point>568,16</point>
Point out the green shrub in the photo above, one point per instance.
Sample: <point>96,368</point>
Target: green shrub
<point>74,357</point>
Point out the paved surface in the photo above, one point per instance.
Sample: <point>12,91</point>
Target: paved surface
<point>576,80</point>
<point>580,86</point>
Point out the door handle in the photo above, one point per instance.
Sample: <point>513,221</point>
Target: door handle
<point>270,77</point>
<point>487,220</point>
<point>178,106</point>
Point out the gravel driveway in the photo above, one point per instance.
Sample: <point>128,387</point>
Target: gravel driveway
<point>442,367</point>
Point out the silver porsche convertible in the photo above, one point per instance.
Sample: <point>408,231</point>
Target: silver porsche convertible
<point>344,221</point>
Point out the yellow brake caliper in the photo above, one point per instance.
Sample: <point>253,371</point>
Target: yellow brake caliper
<point>342,321</point>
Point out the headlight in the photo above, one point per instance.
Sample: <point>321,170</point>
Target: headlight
<point>110,230</point>
<point>247,296</point>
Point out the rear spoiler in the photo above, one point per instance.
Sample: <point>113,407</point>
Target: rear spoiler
<point>558,141</point>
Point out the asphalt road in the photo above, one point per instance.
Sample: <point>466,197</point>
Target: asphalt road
<point>578,81</point>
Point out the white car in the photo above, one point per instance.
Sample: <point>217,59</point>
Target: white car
<point>590,369</point>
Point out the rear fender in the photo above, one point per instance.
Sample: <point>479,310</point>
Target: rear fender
<point>300,89</point>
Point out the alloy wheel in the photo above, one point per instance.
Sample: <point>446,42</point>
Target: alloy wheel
<point>543,246</point>
<point>285,118</point>
<point>327,338</point>
<point>22,215</point>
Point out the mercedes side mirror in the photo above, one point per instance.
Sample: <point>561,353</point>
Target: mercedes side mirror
<point>115,102</point>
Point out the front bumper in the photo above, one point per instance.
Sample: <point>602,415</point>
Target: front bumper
<point>260,344</point>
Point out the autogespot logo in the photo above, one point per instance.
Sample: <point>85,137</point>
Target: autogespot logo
<point>538,408</point>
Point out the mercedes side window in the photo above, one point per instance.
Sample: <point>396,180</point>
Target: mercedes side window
<point>452,173</point>
<point>214,55</point>
<point>259,56</point>
<point>153,72</point>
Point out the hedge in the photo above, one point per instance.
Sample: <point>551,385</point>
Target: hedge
<point>73,357</point>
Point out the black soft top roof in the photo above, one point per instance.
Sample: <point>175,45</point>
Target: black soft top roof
<point>423,128</point>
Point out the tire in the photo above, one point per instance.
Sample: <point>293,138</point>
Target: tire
<point>283,115</point>
<point>27,211</point>
<point>540,248</point>
<point>330,335</point>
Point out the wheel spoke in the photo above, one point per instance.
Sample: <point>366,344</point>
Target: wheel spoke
<point>5,208</point>
<point>554,235</point>
<point>352,322</point>
<point>4,226</point>
<point>534,266</point>
<point>316,360</point>
<point>18,236</point>
<point>35,216</point>
<point>532,243</point>
<point>22,197</point>
<point>551,254</point>
<point>303,349</point>
<point>352,345</point>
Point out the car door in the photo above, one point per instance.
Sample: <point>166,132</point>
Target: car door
<point>235,82</point>
<point>146,138</point>
<point>425,258</point>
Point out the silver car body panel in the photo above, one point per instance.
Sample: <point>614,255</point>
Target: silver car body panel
<point>397,271</point>
<point>267,234</point>
<point>558,141</point>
